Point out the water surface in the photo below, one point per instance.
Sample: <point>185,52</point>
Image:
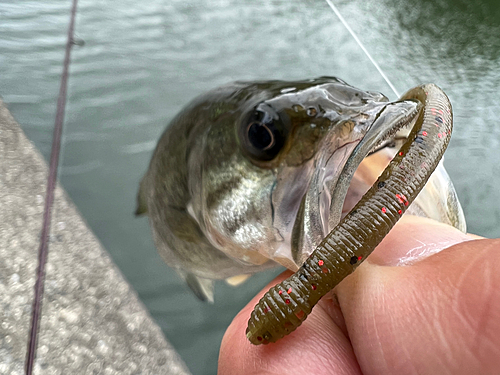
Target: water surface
<point>141,63</point>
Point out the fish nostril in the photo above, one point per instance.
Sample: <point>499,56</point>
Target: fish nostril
<point>311,111</point>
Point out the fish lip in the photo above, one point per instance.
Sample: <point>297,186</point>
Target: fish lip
<point>324,209</point>
<point>392,118</point>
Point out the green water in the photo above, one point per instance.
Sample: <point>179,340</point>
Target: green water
<point>141,63</point>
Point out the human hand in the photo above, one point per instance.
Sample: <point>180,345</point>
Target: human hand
<point>410,308</point>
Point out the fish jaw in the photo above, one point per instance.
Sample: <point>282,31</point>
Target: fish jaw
<point>321,207</point>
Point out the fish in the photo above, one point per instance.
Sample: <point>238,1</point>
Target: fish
<point>253,175</point>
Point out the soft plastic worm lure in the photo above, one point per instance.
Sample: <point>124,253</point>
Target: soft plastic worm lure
<point>285,306</point>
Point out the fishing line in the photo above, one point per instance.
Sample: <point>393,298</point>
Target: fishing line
<point>386,79</point>
<point>49,199</point>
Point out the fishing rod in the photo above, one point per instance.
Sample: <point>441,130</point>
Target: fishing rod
<point>49,199</point>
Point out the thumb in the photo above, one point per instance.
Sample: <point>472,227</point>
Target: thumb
<point>414,308</point>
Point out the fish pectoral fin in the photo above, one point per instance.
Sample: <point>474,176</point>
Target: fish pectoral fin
<point>142,207</point>
<point>201,287</point>
<point>237,280</point>
<point>140,210</point>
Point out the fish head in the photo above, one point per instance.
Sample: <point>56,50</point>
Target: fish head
<point>270,168</point>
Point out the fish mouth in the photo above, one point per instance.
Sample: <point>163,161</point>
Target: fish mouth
<point>324,203</point>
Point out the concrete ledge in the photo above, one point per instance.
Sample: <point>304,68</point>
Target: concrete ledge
<point>92,322</point>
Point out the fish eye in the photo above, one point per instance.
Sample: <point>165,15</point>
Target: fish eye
<point>262,135</point>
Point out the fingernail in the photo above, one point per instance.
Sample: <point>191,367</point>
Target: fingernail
<point>413,239</point>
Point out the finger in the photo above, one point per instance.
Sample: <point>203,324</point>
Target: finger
<point>317,347</point>
<point>310,348</point>
<point>415,238</point>
<point>440,315</point>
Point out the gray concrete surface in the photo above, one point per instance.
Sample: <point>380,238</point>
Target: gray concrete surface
<point>92,322</point>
